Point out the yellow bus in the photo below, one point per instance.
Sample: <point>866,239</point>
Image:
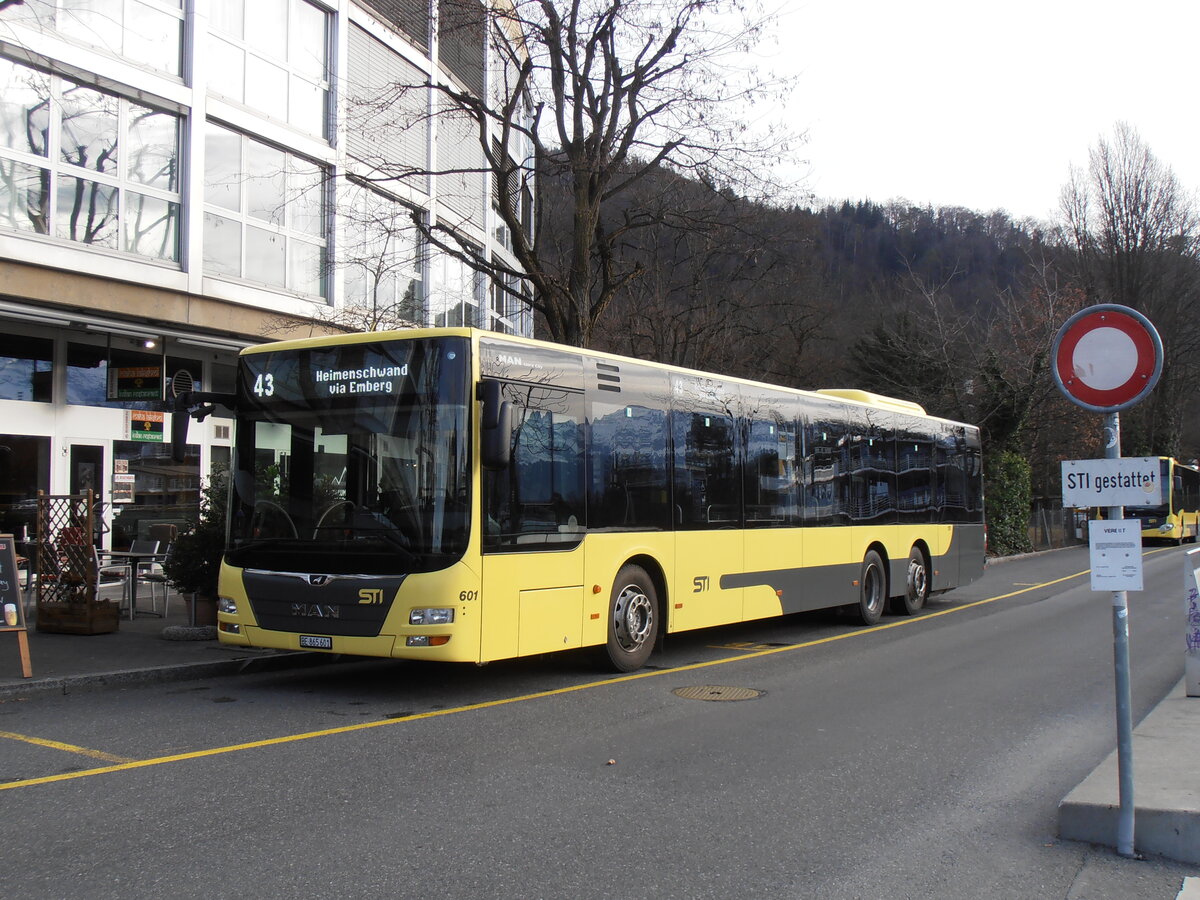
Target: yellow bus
<point>1177,517</point>
<point>460,495</point>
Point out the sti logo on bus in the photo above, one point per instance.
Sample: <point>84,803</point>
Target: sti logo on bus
<point>701,584</point>
<point>370,597</point>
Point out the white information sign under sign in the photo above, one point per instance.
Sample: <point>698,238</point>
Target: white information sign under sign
<point>1127,481</point>
<point>1116,555</point>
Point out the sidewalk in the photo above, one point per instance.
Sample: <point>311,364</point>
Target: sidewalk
<point>1166,787</point>
<point>1166,744</point>
<point>137,653</point>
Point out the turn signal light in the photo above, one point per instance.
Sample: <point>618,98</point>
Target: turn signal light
<point>426,640</point>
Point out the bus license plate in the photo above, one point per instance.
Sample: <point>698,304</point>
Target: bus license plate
<point>316,642</point>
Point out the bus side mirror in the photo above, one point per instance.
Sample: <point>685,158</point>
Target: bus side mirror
<point>198,405</point>
<point>495,442</point>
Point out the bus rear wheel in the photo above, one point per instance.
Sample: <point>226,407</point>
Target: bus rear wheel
<point>633,619</point>
<point>872,589</point>
<point>916,587</point>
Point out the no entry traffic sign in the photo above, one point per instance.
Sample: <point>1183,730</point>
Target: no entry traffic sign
<point>1107,357</point>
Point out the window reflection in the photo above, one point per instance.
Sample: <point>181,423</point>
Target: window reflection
<point>222,245</point>
<point>24,108</point>
<point>222,168</point>
<point>277,223</point>
<point>265,257</point>
<point>152,37</point>
<point>153,148</point>
<point>537,503</point>
<point>273,55</point>
<point>24,196</point>
<point>382,255</point>
<point>147,34</point>
<point>89,129</point>
<point>151,226</point>
<point>264,182</point>
<point>133,379</point>
<point>266,87</point>
<point>26,368</point>
<point>86,211</point>
<point>116,142</point>
<point>227,70</point>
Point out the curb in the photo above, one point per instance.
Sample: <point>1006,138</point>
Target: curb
<point>128,678</point>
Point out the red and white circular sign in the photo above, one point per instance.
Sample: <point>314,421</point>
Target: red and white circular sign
<point>1107,357</point>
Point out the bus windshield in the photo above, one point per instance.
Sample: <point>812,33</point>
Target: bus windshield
<point>1155,509</point>
<point>352,458</point>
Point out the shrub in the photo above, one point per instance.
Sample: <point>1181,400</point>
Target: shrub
<point>194,563</point>
<point>1009,500</point>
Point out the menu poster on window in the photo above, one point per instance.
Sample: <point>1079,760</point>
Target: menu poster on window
<point>135,383</point>
<point>122,488</point>
<point>145,425</point>
<point>10,600</point>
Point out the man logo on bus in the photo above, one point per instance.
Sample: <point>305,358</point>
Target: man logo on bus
<point>701,584</point>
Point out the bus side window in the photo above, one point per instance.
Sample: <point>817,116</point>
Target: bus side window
<point>537,502</point>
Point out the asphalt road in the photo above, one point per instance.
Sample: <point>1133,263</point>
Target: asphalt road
<point>923,758</point>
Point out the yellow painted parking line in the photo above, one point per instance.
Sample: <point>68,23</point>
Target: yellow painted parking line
<point>523,698</point>
<point>742,645</point>
<point>69,748</point>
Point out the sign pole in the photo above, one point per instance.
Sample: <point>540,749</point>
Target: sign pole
<point>1120,625</point>
<point>1107,358</point>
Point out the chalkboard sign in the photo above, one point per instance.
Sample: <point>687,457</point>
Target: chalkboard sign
<point>12,610</point>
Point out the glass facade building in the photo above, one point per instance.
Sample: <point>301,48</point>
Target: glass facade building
<point>182,179</point>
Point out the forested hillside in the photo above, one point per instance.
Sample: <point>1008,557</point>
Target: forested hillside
<point>951,308</point>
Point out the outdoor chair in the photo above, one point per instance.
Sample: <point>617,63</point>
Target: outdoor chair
<point>151,573</point>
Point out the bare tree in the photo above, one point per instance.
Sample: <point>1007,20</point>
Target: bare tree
<point>988,363</point>
<point>1135,232</point>
<point>599,94</point>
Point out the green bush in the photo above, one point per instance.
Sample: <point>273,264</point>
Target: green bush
<point>1009,500</point>
<point>194,563</point>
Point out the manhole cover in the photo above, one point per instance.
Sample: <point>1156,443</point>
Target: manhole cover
<point>716,692</point>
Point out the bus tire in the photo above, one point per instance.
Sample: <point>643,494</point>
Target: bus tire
<point>872,589</point>
<point>916,586</point>
<point>633,619</point>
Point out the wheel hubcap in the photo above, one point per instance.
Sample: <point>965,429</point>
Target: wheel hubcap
<point>873,588</point>
<point>633,617</point>
<point>916,579</point>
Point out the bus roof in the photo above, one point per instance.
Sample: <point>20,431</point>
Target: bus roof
<point>849,395</point>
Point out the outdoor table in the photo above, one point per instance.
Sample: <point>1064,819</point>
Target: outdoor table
<point>132,558</point>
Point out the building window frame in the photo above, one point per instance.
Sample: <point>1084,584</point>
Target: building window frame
<point>252,67</point>
<point>269,209</point>
<point>97,199</point>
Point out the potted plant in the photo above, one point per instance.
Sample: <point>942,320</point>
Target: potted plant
<point>194,563</point>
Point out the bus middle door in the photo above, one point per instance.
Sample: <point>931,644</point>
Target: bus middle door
<point>533,518</point>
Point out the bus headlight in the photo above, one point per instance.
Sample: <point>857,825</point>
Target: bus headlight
<point>433,616</point>
<point>227,605</point>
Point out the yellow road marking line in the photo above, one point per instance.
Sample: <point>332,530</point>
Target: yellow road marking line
<point>523,698</point>
<point>69,748</point>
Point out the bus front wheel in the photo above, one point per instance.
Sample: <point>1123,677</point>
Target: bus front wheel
<point>632,619</point>
<point>872,589</point>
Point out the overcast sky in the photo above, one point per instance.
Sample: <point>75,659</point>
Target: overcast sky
<point>986,106</point>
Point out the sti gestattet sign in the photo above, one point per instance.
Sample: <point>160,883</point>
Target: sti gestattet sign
<point>1107,357</point>
<point>1127,481</point>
